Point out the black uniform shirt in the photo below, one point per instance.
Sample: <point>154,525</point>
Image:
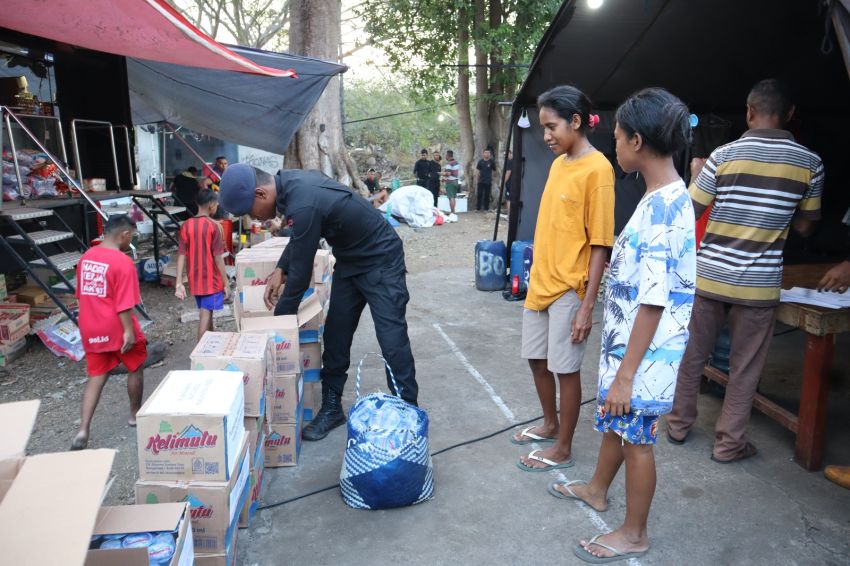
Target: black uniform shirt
<point>316,206</point>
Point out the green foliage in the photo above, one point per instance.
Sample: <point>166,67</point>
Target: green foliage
<point>399,137</point>
<point>420,39</point>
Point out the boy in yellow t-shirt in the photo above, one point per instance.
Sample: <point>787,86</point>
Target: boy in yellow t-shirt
<point>575,229</point>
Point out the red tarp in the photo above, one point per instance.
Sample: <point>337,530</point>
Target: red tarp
<point>144,29</point>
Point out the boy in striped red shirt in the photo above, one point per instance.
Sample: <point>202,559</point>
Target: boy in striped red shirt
<point>202,246</point>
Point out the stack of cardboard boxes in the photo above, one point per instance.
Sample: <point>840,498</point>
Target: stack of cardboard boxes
<point>14,326</point>
<point>252,355</point>
<point>51,509</point>
<point>193,448</point>
<point>254,266</point>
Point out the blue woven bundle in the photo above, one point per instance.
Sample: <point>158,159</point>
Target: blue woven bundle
<point>387,460</point>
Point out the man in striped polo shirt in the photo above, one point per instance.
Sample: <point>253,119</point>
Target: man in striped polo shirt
<point>759,186</point>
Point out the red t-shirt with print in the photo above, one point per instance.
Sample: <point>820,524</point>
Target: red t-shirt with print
<point>107,283</point>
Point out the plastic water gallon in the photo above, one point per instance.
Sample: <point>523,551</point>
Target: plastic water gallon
<point>517,250</point>
<point>490,265</point>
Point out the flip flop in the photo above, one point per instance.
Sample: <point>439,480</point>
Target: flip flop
<point>748,452</point>
<point>570,494</point>
<point>580,552</point>
<point>550,464</point>
<point>79,443</point>
<point>532,437</point>
<point>675,441</point>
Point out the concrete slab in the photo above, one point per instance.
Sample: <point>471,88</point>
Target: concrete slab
<point>764,511</point>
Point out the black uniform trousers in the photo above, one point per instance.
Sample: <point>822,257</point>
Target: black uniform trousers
<point>483,190</point>
<point>384,289</point>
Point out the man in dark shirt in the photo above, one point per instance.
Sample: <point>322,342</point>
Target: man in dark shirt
<point>422,169</point>
<point>434,177</point>
<point>370,270</point>
<point>371,182</point>
<point>186,190</point>
<point>485,167</point>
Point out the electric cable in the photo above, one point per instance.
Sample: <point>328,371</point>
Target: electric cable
<point>437,453</point>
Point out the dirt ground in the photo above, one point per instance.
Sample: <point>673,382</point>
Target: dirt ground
<point>58,382</point>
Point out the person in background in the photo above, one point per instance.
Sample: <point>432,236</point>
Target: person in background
<point>186,189</point>
<point>760,185</point>
<point>837,280</point>
<point>509,169</point>
<point>202,247</point>
<point>370,270</point>
<point>574,231</point>
<point>434,177</point>
<point>219,168</point>
<point>108,291</point>
<point>422,169</point>
<point>485,168</point>
<point>371,181</point>
<point>648,302</point>
<point>451,174</point>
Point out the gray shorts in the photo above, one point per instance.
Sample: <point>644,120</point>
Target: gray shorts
<point>546,335</point>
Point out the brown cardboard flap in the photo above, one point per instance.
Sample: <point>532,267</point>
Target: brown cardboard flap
<point>16,421</point>
<point>47,516</point>
<point>115,556</point>
<point>281,322</point>
<point>139,518</point>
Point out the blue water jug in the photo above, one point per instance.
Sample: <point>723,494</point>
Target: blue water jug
<point>527,260</point>
<point>517,250</point>
<point>490,265</point>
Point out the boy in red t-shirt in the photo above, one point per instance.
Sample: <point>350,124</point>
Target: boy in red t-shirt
<point>108,290</point>
<point>202,242</point>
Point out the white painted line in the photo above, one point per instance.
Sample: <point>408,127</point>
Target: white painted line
<point>478,377</point>
<point>594,516</point>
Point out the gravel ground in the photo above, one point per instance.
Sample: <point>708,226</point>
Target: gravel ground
<point>59,382</point>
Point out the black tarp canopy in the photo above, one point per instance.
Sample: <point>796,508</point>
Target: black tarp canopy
<point>253,110</point>
<point>707,52</point>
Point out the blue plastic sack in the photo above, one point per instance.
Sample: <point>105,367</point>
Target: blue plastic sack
<point>387,459</point>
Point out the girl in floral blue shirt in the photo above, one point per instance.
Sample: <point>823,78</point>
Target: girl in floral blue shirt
<point>650,291</point>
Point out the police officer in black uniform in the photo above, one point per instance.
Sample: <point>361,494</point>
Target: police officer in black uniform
<point>370,270</point>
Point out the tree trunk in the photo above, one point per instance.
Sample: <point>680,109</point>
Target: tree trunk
<point>482,139</point>
<point>496,92</point>
<point>315,31</point>
<point>464,115</point>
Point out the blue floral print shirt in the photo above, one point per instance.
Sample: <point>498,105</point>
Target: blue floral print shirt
<point>653,263</point>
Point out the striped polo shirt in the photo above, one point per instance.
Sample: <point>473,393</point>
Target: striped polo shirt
<point>755,185</point>
<point>201,242</point>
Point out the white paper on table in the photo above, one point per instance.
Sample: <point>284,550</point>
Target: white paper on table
<point>814,297</point>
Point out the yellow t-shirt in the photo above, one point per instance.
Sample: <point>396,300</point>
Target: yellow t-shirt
<point>576,212</point>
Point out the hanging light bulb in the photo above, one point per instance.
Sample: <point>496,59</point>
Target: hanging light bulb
<point>523,121</point>
<point>594,4</point>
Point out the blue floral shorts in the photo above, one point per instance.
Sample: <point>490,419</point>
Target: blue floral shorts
<point>634,427</point>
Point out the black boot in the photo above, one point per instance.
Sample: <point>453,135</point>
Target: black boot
<point>328,418</point>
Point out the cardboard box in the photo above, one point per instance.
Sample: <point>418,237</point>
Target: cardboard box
<point>191,427</point>
<point>215,507</point>
<point>255,485</point>
<point>311,361</point>
<point>254,429</point>
<point>250,304</point>
<point>311,320</point>
<point>31,295</point>
<point>3,292</point>
<point>14,321</point>
<point>322,266</point>
<point>273,242</point>
<point>283,404</point>
<point>16,421</point>
<point>11,351</point>
<point>312,400</point>
<point>255,265</point>
<point>283,444</point>
<point>250,354</point>
<point>129,519</point>
<point>47,514</point>
<point>228,558</point>
<point>284,332</point>
<point>323,291</point>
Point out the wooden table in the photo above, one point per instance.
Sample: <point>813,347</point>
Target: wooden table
<point>820,325</point>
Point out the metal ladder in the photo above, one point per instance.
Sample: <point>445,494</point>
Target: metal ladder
<point>152,204</point>
<point>32,231</point>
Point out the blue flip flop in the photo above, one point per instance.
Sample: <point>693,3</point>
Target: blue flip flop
<point>550,464</point>
<point>580,552</point>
